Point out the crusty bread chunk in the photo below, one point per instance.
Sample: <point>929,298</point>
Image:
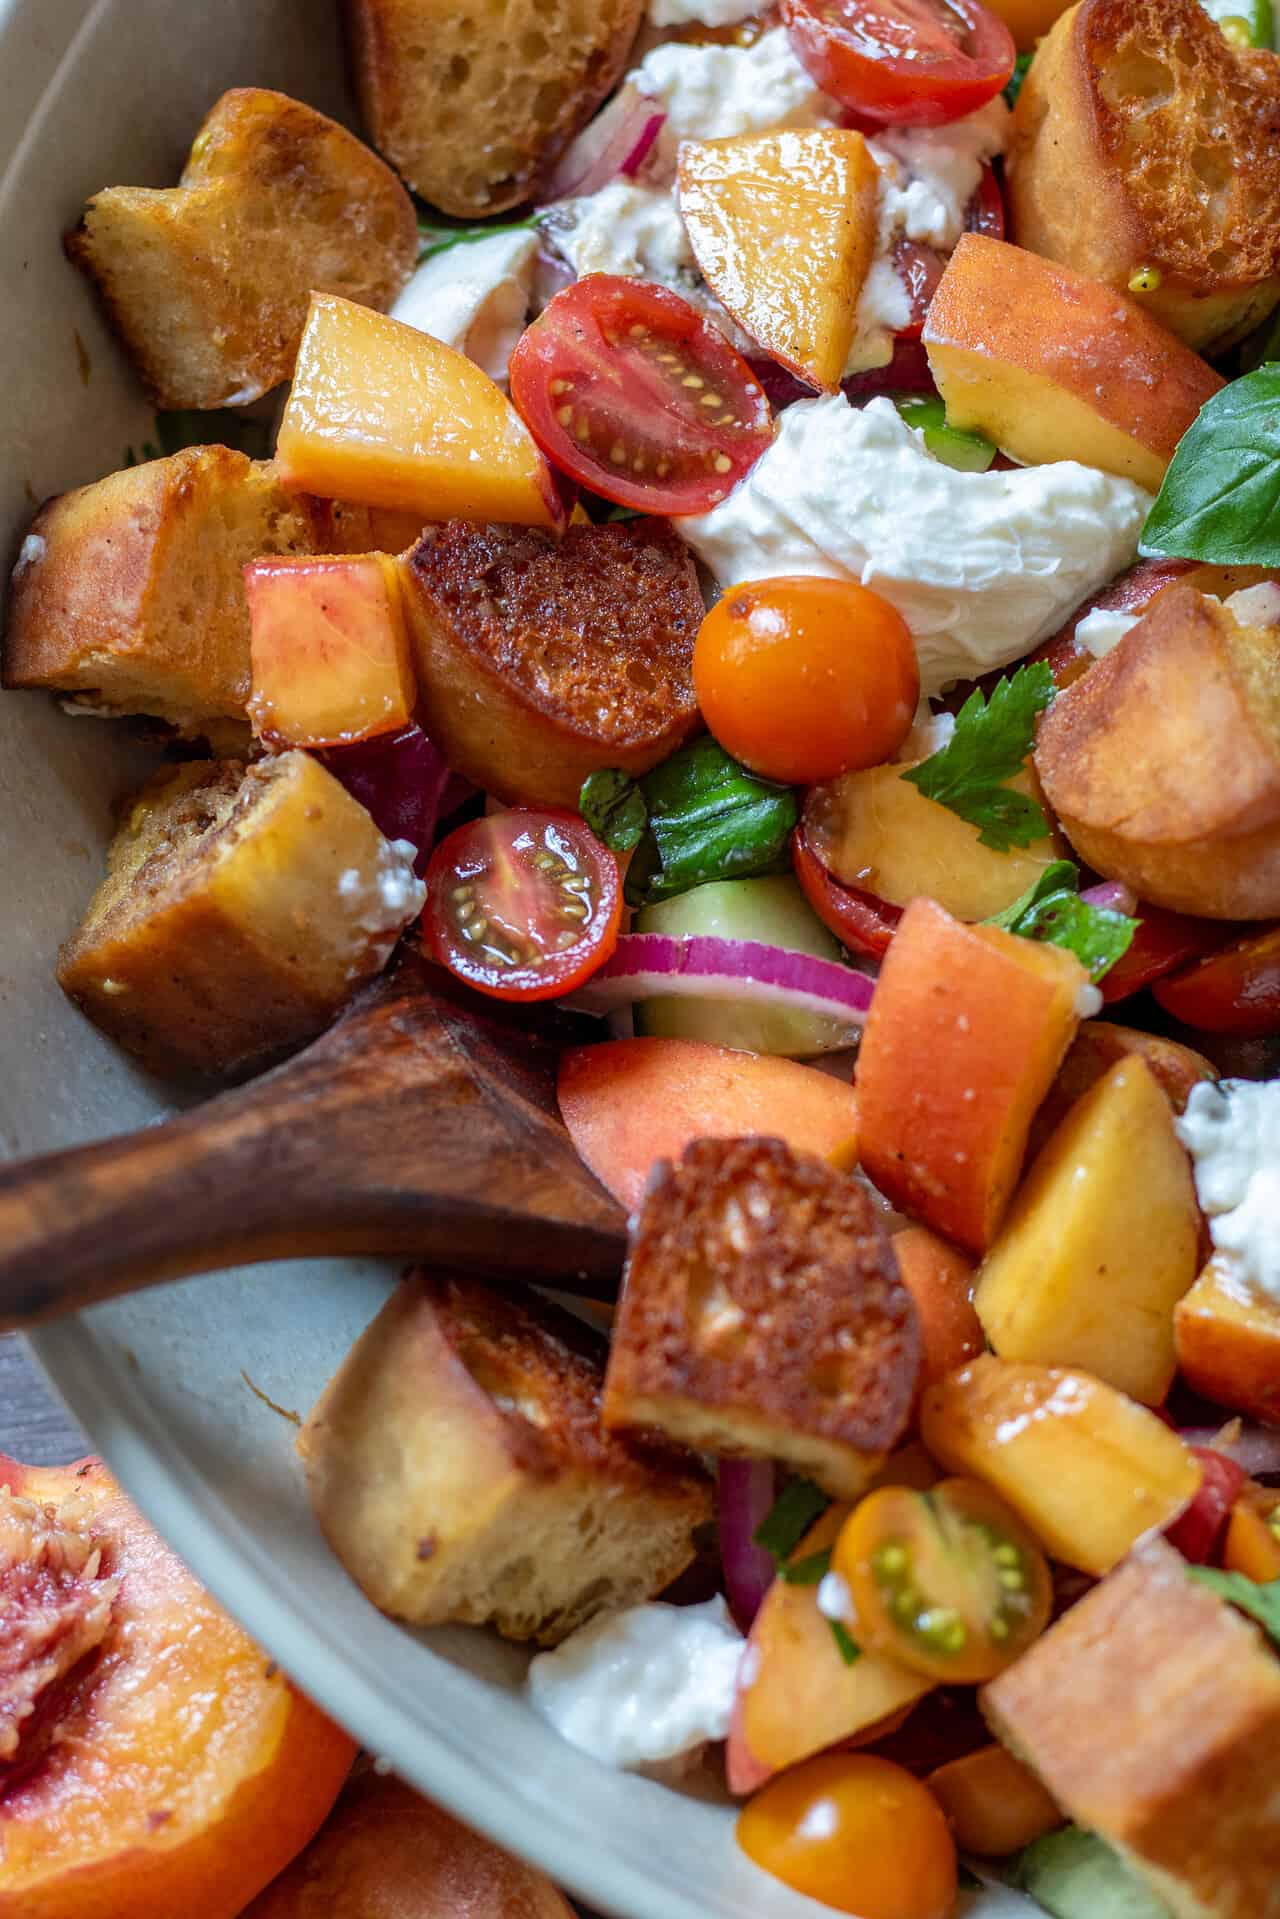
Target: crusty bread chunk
<point>1151,1711</point>
<point>540,660</point>
<point>341,526</point>
<point>240,911</point>
<point>207,283</point>
<point>763,1313</point>
<point>458,1468</point>
<point>1144,138</point>
<point>129,591</point>
<point>474,103</point>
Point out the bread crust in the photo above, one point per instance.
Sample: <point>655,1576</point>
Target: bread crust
<point>540,661</point>
<point>1143,138</point>
<point>474,104</point>
<point>763,1313</point>
<point>207,283</point>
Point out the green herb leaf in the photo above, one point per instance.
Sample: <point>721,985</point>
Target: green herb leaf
<point>439,237</point>
<point>966,452</point>
<point>1220,500</point>
<point>846,1645</point>
<point>709,819</point>
<point>1052,910</point>
<point>1013,86</point>
<point>990,745</point>
<point>613,806</point>
<point>789,1519</point>
<point>1260,1602</point>
<point>809,1571</point>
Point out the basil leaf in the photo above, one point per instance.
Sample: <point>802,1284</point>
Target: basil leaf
<point>439,237</point>
<point>846,1645</point>
<point>965,452</point>
<point>613,806</point>
<point>1220,501</point>
<point>809,1571</point>
<point>1260,1602</point>
<point>1058,876</point>
<point>1052,910</point>
<point>1013,86</point>
<point>709,819</point>
<point>789,1519</point>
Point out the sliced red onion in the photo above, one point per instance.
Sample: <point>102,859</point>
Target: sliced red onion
<point>647,965</point>
<point>615,142</point>
<point>1112,896</point>
<point>744,1495</point>
<point>1254,1448</point>
<point>400,778</point>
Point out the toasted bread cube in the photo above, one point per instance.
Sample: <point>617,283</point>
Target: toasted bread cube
<point>207,283</point>
<point>540,661</point>
<point>330,650</point>
<point>1228,1344</point>
<point>129,592</point>
<point>763,1313</point>
<point>341,526</point>
<point>457,1466</point>
<point>1151,1712</point>
<point>240,911</point>
<point>1143,139</point>
<point>473,104</point>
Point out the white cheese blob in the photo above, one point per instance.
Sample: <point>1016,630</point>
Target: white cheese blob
<point>624,228</point>
<point>475,297</point>
<point>639,1687</point>
<point>1104,628</point>
<point>1256,605</point>
<point>982,566</point>
<point>381,903</point>
<point>715,92</point>
<point>1231,1128</point>
<point>703,13</point>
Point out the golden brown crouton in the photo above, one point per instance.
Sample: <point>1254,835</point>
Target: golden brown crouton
<point>207,283</point>
<point>540,660</point>
<point>473,104</point>
<point>129,591</point>
<point>341,526</point>
<point>1151,1711</point>
<point>763,1313</point>
<point>458,1468</point>
<point>240,911</point>
<point>1143,139</point>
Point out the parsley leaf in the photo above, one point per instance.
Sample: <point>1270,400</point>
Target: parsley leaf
<point>614,808</point>
<point>1013,86</point>
<point>1052,910</point>
<point>1220,499</point>
<point>846,1645</point>
<point>789,1519</point>
<point>809,1571</point>
<point>1260,1602</point>
<point>989,746</point>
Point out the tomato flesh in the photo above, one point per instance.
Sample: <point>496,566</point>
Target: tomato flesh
<point>522,905</point>
<point>859,920</point>
<point>1198,1532</point>
<point>902,62</point>
<point>1163,942</point>
<point>631,392</point>
<point>948,1581</point>
<point>1236,990</point>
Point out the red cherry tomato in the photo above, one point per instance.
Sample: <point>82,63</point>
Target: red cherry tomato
<point>630,391</point>
<point>1236,990</point>
<point>1198,1532</point>
<point>522,905</point>
<point>920,269</point>
<point>857,919</point>
<point>911,63</point>
<point>985,213</point>
<point>1162,942</point>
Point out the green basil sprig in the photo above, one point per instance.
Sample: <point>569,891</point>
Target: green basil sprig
<point>1220,501</point>
<point>1053,911</point>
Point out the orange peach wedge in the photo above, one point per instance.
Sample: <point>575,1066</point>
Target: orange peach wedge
<point>153,1761</point>
<point>384,415</point>
<point>329,648</point>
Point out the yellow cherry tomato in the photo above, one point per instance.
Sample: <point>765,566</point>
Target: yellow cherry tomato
<point>948,1581</point>
<point>802,679</point>
<point>856,1832</point>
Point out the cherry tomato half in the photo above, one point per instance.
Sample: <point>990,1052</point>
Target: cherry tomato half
<point>911,63</point>
<point>1197,1532</point>
<point>522,905</point>
<point>629,390</point>
<point>1253,1537</point>
<point>857,1833</point>
<point>921,267</point>
<point>948,1581</point>
<point>1234,991</point>
<point>857,919</point>
<point>985,212</point>
<point>1163,941</point>
<point>802,679</point>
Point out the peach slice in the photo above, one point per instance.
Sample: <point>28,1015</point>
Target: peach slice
<point>994,1805</point>
<point>1052,366</point>
<point>630,1102</point>
<point>153,1761</point>
<point>796,1696</point>
<point>1100,1045</point>
<point>1228,1344</point>
<point>383,415</point>
<point>329,648</point>
<point>939,1278</point>
<point>783,227</point>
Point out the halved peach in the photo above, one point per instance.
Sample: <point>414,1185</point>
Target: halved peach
<point>384,415</point>
<point>1052,366</point>
<point>329,649</point>
<point>153,1761</point>
<point>783,227</point>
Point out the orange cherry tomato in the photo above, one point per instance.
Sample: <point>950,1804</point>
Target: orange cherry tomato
<point>859,1834</point>
<point>802,679</point>
<point>948,1581</point>
<point>1253,1540</point>
<point>1236,990</point>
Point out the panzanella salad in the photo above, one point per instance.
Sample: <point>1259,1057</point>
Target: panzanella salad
<point>776,550</point>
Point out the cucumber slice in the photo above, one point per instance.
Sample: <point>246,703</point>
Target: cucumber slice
<point>1075,1875</point>
<point>966,452</point>
<point>773,910</point>
<point>1247,21</point>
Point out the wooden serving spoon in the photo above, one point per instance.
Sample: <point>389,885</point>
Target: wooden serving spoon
<point>421,1123</point>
